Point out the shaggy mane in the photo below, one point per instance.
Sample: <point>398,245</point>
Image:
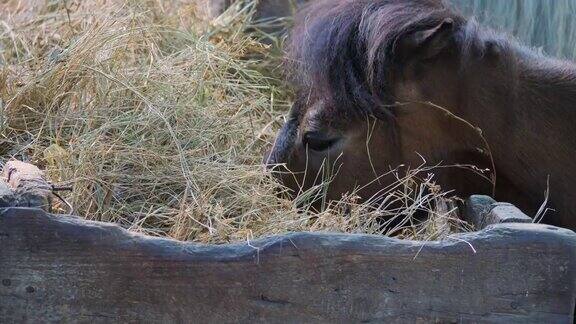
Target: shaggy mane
<point>345,48</point>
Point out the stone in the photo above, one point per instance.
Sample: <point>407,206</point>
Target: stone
<point>483,211</point>
<point>28,183</point>
<point>506,213</point>
<point>476,208</point>
<point>7,197</point>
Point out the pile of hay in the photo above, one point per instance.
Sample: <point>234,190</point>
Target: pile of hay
<point>160,121</point>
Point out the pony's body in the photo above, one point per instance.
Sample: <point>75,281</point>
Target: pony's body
<point>531,131</point>
<point>365,71</point>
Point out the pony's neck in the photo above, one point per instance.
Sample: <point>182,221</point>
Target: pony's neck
<point>546,83</point>
<point>527,90</point>
<point>527,114</point>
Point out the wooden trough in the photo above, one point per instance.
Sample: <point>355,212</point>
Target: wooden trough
<point>56,268</point>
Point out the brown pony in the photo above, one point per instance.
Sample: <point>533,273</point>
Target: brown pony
<point>370,76</point>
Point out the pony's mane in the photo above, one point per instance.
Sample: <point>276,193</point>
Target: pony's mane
<point>346,48</point>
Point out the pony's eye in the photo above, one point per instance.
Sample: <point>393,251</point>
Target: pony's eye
<point>317,141</point>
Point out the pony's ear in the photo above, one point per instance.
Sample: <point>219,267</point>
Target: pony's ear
<point>427,43</point>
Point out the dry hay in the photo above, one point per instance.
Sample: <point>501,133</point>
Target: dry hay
<point>160,122</point>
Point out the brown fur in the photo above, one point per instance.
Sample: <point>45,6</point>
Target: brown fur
<point>353,60</point>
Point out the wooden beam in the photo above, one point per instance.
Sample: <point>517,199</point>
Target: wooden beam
<point>62,269</point>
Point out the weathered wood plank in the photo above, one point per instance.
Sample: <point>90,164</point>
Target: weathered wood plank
<point>55,268</point>
<point>28,183</point>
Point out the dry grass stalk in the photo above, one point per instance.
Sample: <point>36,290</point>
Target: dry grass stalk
<point>161,128</point>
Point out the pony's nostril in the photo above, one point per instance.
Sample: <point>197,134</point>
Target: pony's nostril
<point>317,141</point>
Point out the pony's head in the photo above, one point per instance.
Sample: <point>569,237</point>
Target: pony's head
<point>362,69</point>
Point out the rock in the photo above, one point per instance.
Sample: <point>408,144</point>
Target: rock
<point>476,209</point>
<point>483,211</point>
<point>28,184</point>
<point>506,213</point>
<point>7,197</point>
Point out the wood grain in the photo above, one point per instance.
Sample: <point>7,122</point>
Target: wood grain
<point>63,269</point>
